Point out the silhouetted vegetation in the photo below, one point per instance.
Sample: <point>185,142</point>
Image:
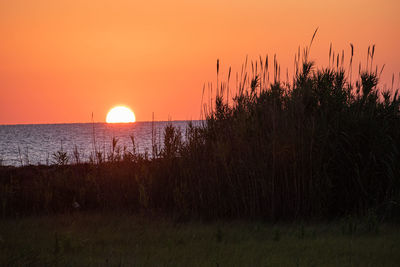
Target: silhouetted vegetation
<point>320,146</point>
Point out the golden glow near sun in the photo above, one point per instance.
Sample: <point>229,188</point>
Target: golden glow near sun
<point>120,114</point>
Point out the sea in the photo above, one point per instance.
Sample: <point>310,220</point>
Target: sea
<point>36,144</point>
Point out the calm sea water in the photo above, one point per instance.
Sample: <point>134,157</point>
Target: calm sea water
<point>36,143</point>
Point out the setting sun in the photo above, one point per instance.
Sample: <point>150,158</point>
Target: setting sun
<point>120,114</point>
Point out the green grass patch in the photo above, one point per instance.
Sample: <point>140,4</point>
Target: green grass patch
<point>105,239</point>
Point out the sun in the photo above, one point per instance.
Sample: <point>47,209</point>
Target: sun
<point>120,114</point>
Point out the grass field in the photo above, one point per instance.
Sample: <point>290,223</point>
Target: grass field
<point>127,240</point>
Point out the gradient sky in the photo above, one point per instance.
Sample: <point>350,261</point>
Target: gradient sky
<point>62,60</point>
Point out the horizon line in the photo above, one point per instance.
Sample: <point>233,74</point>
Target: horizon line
<point>60,123</point>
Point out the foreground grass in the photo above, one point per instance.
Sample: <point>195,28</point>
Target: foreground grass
<point>110,240</point>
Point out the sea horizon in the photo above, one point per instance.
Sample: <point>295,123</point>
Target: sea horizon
<point>35,144</point>
<point>121,123</point>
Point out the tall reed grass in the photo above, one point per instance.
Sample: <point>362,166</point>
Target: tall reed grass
<point>322,145</point>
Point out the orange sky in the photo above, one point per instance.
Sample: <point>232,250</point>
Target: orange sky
<point>62,60</point>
